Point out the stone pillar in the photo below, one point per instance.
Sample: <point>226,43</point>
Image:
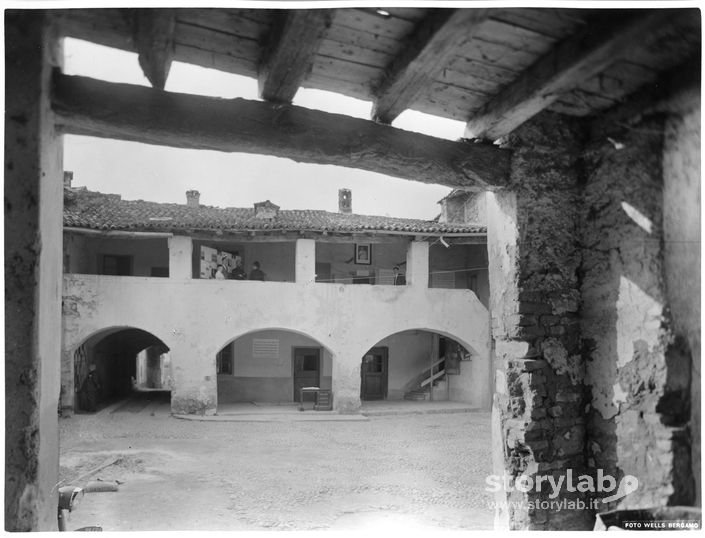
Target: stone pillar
<point>417,264</point>
<point>33,262</point>
<point>180,257</point>
<point>534,299</point>
<point>305,261</point>
<point>346,382</point>
<point>193,370</point>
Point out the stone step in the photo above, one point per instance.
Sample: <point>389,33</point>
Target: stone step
<point>416,395</point>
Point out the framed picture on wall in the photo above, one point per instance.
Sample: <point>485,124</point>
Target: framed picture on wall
<point>363,253</point>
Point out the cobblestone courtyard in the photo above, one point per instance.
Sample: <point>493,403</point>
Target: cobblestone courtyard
<point>405,471</point>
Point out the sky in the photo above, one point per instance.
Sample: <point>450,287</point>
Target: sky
<point>162,174</point>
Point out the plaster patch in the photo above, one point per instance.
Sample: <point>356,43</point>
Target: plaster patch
<point>511,349</point>
<point>557,357</point>
<point>619,396</point>
<point>602,402</point>
<point>638,318</point>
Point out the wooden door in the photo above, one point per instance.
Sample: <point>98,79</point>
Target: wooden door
<point>307,370</point>
<point>374,372</point>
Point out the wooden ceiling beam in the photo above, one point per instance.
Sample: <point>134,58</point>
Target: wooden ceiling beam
<point>295,38</point>
<point>154,40</point>
<point>563,69</point>
<point>102,109</point>
<point>434,42</point>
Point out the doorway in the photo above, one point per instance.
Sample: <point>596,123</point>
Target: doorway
<point>375,374</point>
<point>307,370</point>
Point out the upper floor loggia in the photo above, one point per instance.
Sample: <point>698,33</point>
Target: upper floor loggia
<point>105,235</point>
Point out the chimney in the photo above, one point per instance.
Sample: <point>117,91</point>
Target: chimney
<point>192,198</point>
<point>344,201</point>
<point>266,210</point>
<point>68,178</point>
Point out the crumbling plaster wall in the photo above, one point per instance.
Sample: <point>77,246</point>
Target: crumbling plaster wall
<point>533,263</point>
<point>594,283</point>
<point>681,224</point>
<point>637,370</point>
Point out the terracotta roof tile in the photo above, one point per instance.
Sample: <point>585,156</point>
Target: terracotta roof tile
<point>98,211</point>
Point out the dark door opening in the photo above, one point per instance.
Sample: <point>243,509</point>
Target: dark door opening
<point>374,372</point>
<point>307,370</point>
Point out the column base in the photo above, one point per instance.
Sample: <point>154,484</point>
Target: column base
<point>346,405</point>
<point>184,405</point>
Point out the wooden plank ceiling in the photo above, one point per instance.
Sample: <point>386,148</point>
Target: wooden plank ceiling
<point>492,68</point>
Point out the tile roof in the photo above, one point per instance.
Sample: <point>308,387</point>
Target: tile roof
<point>108,212</point>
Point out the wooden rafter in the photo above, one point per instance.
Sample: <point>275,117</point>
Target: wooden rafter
<point>295,39</point>
<point>563,69</point>
<point>429,50</point>
<point>154,40</point>
<point>91,107</point>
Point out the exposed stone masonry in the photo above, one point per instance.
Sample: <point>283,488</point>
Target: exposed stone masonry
<point>592,374</point>
<point>535,302</point>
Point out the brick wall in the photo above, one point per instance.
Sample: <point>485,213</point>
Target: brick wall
<point>534,263</point>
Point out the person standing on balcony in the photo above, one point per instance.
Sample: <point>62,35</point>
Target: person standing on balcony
<point>256,273</point>
<point>238,273</point>
<point>399,279</point>
<point>237,259</point>
<point>230,262</point>
<point>220,272</point>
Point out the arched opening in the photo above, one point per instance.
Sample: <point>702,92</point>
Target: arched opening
<point>118,363</point>
<point>269,368</point>
<point>422,365</point>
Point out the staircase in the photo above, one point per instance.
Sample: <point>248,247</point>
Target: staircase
<point>432,379</point>
<point>418,394</point>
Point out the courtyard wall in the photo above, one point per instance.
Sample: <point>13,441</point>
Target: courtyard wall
<point>195,318</point>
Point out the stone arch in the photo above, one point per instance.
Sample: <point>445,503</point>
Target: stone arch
<point>79,332</point>
<point>471,344</point>
<point>265,365</point>
<point>308,334</point>
<point>409,359</point>
<point>110,350</point>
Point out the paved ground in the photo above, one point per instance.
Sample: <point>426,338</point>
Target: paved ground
<point>421,471</point>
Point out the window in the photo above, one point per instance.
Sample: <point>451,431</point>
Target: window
<point>374,364</point>
<point>224,360</point>
<point>310,363</point>
<point>116,265</point>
